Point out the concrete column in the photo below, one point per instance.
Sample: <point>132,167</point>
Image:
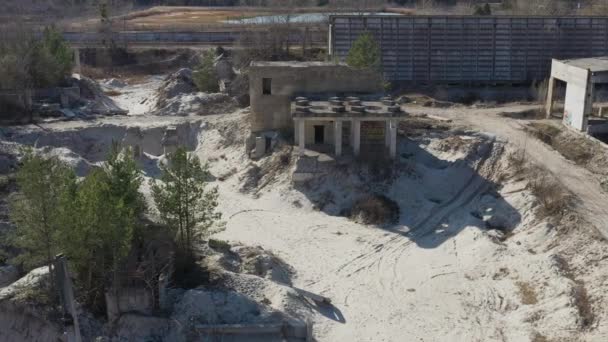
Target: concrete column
<point>356,136</point>
<point>296,132</point>
<point>301,135</point>
<point>77,67</point>
<point>338,137</point>
<point>387,134</point>
<point>393,138</point>
<point>549,103</point>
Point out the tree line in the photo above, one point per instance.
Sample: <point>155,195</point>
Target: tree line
<point>28,61</point>
<point>96,221</point>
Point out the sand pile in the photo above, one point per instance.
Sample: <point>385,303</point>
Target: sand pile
<point>178,95</point>
<point>95,100</point>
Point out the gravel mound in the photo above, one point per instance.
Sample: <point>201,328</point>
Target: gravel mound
<point>179,96</point>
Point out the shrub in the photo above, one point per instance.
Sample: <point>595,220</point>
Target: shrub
<point>553,198</point>
<point>482,10</point>
<point>219,245</point>
<point>583,304</point>
<point>205,76</point>
<point>375,209</point>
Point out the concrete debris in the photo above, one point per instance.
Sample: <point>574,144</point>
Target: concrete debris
<point>197,104</point>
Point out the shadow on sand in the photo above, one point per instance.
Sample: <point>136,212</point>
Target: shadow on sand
<point>469,199</point>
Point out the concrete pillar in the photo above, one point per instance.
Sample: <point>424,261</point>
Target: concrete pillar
<point>77,67</point>
<point>393,139</point>
<point>296,133</point>
<point>356,136</point>
<point>338,137</point>
<point>260,147</point>
<point>301,135</point>
<point>387,134</point>
<point>549,103</point>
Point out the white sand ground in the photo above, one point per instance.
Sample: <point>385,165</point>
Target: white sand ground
<point>438,275</point>
<point>455,284</point>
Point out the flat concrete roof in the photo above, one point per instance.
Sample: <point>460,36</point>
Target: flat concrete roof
<point>295,64</point>
<point>323,109</point>
<point>595,64</point>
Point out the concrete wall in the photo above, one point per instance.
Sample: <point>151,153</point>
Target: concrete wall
<point>579,93</point>
<point>328,131</point>
<point>273,112</point>
<point>459,49</point>
<point>191,38</point>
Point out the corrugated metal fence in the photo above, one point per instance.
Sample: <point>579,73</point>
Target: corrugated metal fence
<point>472,49</point>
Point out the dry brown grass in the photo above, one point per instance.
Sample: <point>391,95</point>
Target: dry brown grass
<point>583,304</point>
<point>539,338</point>
<point>112,92</point>
<point>554,199</point>
<point>546,132</point>
<point>527,293</point>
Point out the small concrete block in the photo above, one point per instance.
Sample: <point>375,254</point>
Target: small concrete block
<point>300,109</point>
<point>302,103</point>
<point>325,159</point>
<point>310,154</point>
<point>306,165</point>
<point>260,147</point>
<point>358,109</point>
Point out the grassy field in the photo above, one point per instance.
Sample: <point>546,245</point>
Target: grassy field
<point>187,18</point>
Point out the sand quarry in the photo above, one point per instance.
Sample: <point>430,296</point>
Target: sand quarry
<point>473,255</point>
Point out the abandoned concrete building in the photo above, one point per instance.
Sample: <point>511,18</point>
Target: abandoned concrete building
<point>329,107</point>
<point>581,77</point>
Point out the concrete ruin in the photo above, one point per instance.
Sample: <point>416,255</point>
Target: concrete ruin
<point>273,87</point>
<point>581,76</point>
<point>346,123</point>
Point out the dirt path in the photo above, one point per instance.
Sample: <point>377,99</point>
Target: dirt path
<point>592,201</point>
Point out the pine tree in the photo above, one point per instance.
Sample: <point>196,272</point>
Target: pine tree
<point>43,185</point>
<point>365,53</point>
<point>183,201</point>
<point>105,211</point>
<point>205,75</point>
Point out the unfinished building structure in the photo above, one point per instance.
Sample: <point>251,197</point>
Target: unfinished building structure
<point>366,127</point>
<point>581,76</point>
<point>274,86</point>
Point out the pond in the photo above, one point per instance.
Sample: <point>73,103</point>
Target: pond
<point>299,18</point>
